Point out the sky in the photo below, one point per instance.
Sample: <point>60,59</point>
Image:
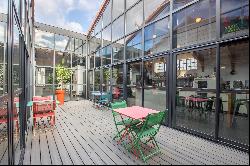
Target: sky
<point>74,15</point>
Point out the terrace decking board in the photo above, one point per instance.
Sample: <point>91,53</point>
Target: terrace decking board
<point>53,150</point>
<point>84,135</point>
<point>97,130</point>
<point>108,146</point>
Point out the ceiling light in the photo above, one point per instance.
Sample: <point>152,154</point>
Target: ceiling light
<point>198,19</point>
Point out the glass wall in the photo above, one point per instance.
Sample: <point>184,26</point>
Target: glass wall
<point>234,116</point>
<point>196,90</point>
<point>142,33</point>
<point>54,50</point>
<point>15,51</point>
<point>134,84</point>
<point>195,24</point>
<point>234,17</point>
<point>155,78</point>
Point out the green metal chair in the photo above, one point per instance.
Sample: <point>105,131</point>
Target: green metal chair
<point>145,133</point>
<point>125,122</point>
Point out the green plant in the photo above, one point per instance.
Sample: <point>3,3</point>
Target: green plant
<point>63,75</point>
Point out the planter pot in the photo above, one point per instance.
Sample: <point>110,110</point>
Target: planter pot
<point>60,96</point>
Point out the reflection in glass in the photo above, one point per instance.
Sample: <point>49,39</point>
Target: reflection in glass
<point>155,84</point>
<point>63,58</point>
<point>97,80</point>
<point>107,15</point>
<point>118,51</point>
<point>196,90</point>
<point>3,60</point>
<point>134,18</point>
<point>118,28</point>
<point>44,39</point>
<point>134,84</point>
<point>195,24</point>
<point>118,8</point>
<point>4,6</point>
<point>180,3</point>
<point>155,9</point>
<point>44,90</point>
<point>134,45</point>
<point>157,37</point>
<point>234,116</point>
<point>130,3</point>
<point>78,61</point>
<point>106,36</point>
<point>98,59</point>
<point>117,82</point>
<point>44,57</point>
<point>106,55</point>
<point>61,43</point>
<point>234,17</point>
<point>44,76</point>
<point>106,80</point>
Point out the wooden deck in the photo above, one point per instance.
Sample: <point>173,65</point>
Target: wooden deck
<point>83,135</point>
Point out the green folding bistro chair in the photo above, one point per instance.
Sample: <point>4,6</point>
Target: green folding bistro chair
<point>145,133</point>
<point>125,122</point>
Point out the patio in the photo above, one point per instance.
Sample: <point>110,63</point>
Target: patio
<point>84,135</point>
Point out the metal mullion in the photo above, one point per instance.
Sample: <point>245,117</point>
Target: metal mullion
<point>218,34</point>
<point>10,82</point>
<point>54,66</point>
<point>171,76</point>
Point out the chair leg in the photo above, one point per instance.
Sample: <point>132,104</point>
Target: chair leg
<point>34,122</point>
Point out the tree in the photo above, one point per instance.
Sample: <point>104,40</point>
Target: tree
<point>63,75</point>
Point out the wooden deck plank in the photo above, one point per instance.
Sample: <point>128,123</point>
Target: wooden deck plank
<point>80,151</point>
<point>53,149</point>
<point>45,153</point>
<point>108,147</point>
<point>35,150</point>
<point>69,146</point>
<point>85,134</point>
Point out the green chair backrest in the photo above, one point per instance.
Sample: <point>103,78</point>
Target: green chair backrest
<point>154,119</point>
<point>117,105</point>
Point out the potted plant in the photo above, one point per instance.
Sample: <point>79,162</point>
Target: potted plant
<point>63,76</point>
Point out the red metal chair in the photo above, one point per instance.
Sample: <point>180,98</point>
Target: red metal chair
<point>4,117</point>
<point>44,109</point>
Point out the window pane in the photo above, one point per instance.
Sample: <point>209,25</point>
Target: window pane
<point>195,24</point>
<point>78,61</point>
<point>92,61</point>
<point>157,37</point>
<point>118,51</point>
<point>234,17</point>
<point>106,36</point>
<point>107,15</point>
<point>44,90</point>
<point>44,75</point>
<point>44,57</point>
<point>180,3</point>
<point>117,82</point>
<point>118,28</point>
<point>44,39</point>
<point>196,90</point>
<point>118,8</point>
<point>134,45</point>
<point>63,58</point>
<point>98,59</point>
<point>3,60</point>
<point>134,84</point>
<point>234,113</point>
<point>61,42</point>
<point>106,80</point>
<point>134,18</point>
<point>98,26</point>
<point>4,6</point>
<point>155,9</point>
<point>130,3</point>
<point>106,55</point>
<point>97,80</point>
<point>155,72</point>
